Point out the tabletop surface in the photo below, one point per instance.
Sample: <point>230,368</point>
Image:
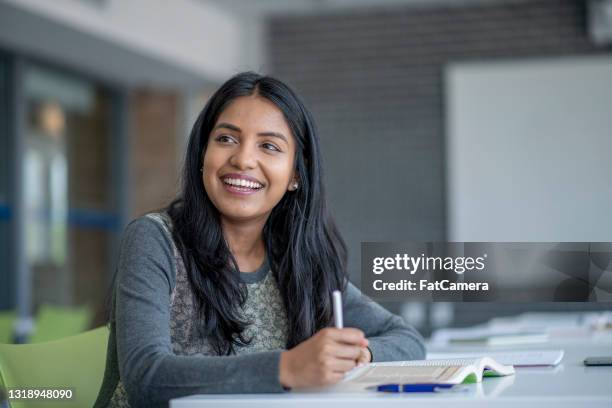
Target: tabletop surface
<point>569,384</point>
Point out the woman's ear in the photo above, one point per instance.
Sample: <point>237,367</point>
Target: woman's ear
<point>295,183</point>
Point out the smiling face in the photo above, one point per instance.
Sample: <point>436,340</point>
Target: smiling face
<point>249,160</point>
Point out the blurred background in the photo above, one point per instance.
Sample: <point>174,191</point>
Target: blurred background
<point>460,120</point>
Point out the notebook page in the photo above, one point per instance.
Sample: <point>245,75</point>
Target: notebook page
<point>394,374</point>
<point>522,358</point>
<point>433,362</point>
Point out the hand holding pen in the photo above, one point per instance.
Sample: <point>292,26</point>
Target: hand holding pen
<point>365,356</point>
<point>324,358</point>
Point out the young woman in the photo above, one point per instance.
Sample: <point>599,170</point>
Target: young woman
<point>230,288</point>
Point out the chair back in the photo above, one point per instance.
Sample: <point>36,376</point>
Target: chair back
<point>58,322</point>
<point>76,363</point>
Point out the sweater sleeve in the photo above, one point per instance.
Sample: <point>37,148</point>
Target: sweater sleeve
<point>151,373</point>
<point>390,337</point>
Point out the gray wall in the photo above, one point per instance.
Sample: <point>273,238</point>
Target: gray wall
<point>373,80</point>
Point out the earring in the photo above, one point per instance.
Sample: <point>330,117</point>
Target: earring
<point>295,185</point>
<point>202,169</point>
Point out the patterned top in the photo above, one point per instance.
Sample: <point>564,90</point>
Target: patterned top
<point>263,308</point>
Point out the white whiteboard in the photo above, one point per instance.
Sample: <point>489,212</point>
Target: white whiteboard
<point>529,150</point>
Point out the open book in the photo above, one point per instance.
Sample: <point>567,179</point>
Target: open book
<point>517,358</point>
<point>453,371</point>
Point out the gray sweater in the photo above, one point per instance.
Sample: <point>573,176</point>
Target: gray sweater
<point>155,352</point>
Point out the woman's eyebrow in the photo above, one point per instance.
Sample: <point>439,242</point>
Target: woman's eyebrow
<point>274,134</point>
<point>237,129</point>
<point>228,126</point>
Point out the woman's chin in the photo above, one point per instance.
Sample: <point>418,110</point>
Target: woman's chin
<point>242,215</point>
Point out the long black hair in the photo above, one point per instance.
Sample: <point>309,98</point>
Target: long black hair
<point>305,251</point>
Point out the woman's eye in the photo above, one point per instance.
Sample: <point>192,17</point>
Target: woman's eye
<point>270,146</point>
<point>223,138</point>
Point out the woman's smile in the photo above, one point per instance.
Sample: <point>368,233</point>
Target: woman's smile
<point>241,185</point>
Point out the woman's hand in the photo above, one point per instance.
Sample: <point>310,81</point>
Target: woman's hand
<point>365,356</point>
<point>323,359</point>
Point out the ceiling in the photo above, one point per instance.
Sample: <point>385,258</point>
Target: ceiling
<point>274,7</point>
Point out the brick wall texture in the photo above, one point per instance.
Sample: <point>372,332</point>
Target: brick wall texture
<point>154,144</point>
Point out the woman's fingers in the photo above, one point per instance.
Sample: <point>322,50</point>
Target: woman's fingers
<point>364,356</point>
<point>347,335</point>
<point>341,365</point>
<point>347,352</point>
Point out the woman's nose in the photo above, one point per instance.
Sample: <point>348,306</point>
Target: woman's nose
<point>244,157</point>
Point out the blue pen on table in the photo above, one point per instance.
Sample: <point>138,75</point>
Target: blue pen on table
<point>427,387</point>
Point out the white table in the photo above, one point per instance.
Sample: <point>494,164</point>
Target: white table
<point>570,384</point>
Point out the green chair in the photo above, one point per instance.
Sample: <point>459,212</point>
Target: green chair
<point>7,319</point>
<point>57,322</point>
<point>75,363</point>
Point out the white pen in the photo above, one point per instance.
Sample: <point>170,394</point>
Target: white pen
<point>337,305</point>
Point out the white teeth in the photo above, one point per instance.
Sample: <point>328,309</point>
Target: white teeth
<point>242,183</point>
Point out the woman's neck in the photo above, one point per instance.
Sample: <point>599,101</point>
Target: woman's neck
<point>245,240</point>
